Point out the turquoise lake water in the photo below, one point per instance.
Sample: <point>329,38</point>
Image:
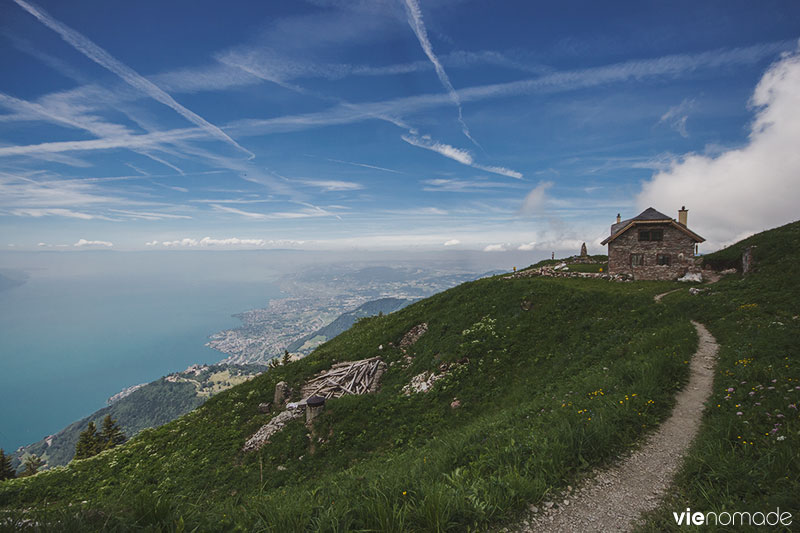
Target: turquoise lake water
<point>67,343</point>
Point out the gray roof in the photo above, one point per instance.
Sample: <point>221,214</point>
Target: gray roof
<point>647,214</point>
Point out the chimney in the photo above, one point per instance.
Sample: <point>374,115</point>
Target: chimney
<point>618,218</point>
<point>682,214</point>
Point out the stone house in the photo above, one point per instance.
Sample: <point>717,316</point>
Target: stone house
<point>652,246</point>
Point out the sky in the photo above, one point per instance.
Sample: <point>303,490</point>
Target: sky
<point>392,124</point>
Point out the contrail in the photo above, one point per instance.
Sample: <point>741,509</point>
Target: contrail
<point>415,21</point>
<point>165,163</point>
<point>83,45</point>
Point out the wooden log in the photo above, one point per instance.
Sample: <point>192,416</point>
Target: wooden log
<point>347,389</point>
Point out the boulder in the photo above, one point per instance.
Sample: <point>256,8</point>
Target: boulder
<point>693,277</point>
<point>281,394</point>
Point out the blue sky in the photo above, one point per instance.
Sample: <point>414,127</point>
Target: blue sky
<point>406,124</point>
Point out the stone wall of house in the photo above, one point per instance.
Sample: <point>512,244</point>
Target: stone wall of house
<point>677,244</point>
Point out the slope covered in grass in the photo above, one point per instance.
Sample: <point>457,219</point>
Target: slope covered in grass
<point>746,456</point>
<point>152,405</point>
<point>345,321</point>
<point>544,395</point>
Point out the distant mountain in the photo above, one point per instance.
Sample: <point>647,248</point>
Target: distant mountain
<point>149,405</point>
<point>344,321</point>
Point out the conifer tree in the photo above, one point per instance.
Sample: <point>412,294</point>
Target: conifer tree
<point>32,465</point>
<point>6,471</point>
<point>111,435</point>
<point>89,443</point>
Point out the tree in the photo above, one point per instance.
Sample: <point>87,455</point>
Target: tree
<point>89,443</point>
<point>286,356</point>
<point>32,465</point>
<point>111,435</point>
<point>6,471</point>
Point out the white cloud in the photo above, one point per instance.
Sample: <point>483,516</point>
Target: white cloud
<point>133,78</point>
<point>166,164</point>
<point>456,154</point>
<point>151,243</point>
<point>230,242</point>
<point>527,247</point>
<point>306,212</point>
<point>503,171</point>
<point>748,189</point>
<point>60,112</point>
<point>452,242</point>
<point>673,66</point>
<point>458,185</point>
<point>495,248</point>
<point>418,211</point>
<point>332,185</point>
<point>69,213</point>
<point>83,242</point>
<point>364,165</point>
<point>233,210</point>
<point>145,140</point>
<point>182,242</point>
<point>535,199</point>
<point>146,215</point>
<point>676,117</point>
<point>20,190</point>
<point>415,21</point>
<point>214,77</point>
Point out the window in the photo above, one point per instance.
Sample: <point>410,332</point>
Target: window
<point>651,235</point>
<point>663,259</point>
<point>637,260</point>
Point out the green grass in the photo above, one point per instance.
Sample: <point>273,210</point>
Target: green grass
<point>531,421</point>
<point>598,259</point>
<point>745,458</point>
<point>546,395</point>
<point>589,267</point>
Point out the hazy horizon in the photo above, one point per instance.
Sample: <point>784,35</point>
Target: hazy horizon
<point>85,325</point>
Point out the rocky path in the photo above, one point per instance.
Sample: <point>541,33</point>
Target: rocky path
<point>657,297</point>
<point>615,499</point>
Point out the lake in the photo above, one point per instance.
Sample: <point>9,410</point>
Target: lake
<point>70,340</point>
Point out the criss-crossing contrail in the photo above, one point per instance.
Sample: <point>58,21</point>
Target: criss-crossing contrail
<point>85,46</point>
<point>415,21</point>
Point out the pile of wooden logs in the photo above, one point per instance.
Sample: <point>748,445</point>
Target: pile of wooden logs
<point>353,377</point>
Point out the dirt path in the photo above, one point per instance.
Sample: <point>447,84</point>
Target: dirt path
<point>657,297</point>
<point>615,499</point>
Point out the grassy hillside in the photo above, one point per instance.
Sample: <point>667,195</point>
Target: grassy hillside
<point>154,404</point>
<point>544,395</point>
<point>344,321</point>
<point>746,456</point>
